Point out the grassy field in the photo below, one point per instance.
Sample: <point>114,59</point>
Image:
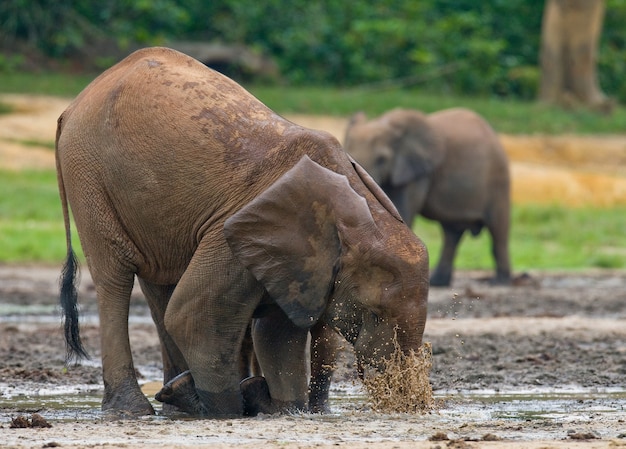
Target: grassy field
<point>543,237</point>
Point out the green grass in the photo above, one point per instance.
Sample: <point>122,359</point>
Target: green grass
<point>31,223</point>
<point>5,108</point>
<point>56,84</point>
<point>542,237</point>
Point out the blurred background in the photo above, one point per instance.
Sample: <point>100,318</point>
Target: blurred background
<point>547,74</point>
<point>461,46</point>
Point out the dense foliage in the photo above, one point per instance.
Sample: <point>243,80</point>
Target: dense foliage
<point>461,46</point>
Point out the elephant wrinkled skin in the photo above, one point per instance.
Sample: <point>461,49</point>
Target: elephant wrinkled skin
<point>225,212</point>
<point>448,166</point>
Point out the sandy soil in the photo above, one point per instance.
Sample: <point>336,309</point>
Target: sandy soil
<point>536,365</point>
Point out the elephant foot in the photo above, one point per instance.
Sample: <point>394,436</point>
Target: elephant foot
<point>525,280</point>
<point>256,396</point>
<point>128,402</point>
<point>441,276</point>
<point>321,408</point>
<point>180,392</point>
<point>500,280</point>
<point>318,397</point>
<point>440,280</point>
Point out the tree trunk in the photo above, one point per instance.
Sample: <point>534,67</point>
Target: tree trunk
<point>569,41</point>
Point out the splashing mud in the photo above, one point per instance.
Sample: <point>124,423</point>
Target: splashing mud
<point>403,386</point>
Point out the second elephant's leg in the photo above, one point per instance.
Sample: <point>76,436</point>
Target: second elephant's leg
<point>281,347</point>
<point>442,275</point>
<point>499,230</point>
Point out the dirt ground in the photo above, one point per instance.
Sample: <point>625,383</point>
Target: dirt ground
<point>537,365</point>
<point>531,366</point>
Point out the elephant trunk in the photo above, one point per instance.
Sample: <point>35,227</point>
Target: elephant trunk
<point>408,333</point>
<point>379,338</point>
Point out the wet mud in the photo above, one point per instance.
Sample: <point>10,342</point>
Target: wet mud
<point>542,363</point>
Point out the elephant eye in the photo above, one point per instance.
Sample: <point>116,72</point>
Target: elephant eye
<point>377,319</point>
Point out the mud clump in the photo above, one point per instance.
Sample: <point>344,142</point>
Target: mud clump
<point>36,420</point>
<point>403,386</point>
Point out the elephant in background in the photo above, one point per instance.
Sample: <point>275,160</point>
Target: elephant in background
<point>448,166</point>
<point>225,212</point>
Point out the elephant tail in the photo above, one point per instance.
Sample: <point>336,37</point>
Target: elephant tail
<point>68,297</point>
<point>69,304</point>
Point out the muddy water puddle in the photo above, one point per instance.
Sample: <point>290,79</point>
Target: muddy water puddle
<point>567,405</point>
<point>558,406</point>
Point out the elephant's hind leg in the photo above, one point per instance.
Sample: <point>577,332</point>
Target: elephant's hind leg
<point>158,297</point>
<point>442,275</point>
<point>174,363</point>
<point>121,390</point>
<point>499,230</point>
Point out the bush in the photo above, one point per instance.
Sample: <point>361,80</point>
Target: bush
<point>462,46</point>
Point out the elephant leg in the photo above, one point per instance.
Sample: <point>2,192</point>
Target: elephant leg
<point>207,317</point>
<point>499,230</point>
<point>281,347</point>
<point>121,390</point>
<point>451,238</point>
<point>324,347</point>
<point>157,297</point>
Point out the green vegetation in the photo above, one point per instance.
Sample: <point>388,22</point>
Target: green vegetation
<point>543,237</point>
<point>427,55</point>
<point>31,223</point>
<point>49,83</point>
<point>465,47</point>
<point>4,108</point>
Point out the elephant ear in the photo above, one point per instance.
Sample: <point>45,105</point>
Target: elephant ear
<point>418,150</point>
<point>375,189</point>
<point>288,237</point>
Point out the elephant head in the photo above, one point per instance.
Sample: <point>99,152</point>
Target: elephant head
<point>323,252</point>
<point>395,148</point>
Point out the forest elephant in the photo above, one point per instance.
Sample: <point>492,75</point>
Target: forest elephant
<point>448,166</point>
<point>225,212</point>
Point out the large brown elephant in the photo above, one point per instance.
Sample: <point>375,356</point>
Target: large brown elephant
<point>225,211</point>
<point>448,166</point>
